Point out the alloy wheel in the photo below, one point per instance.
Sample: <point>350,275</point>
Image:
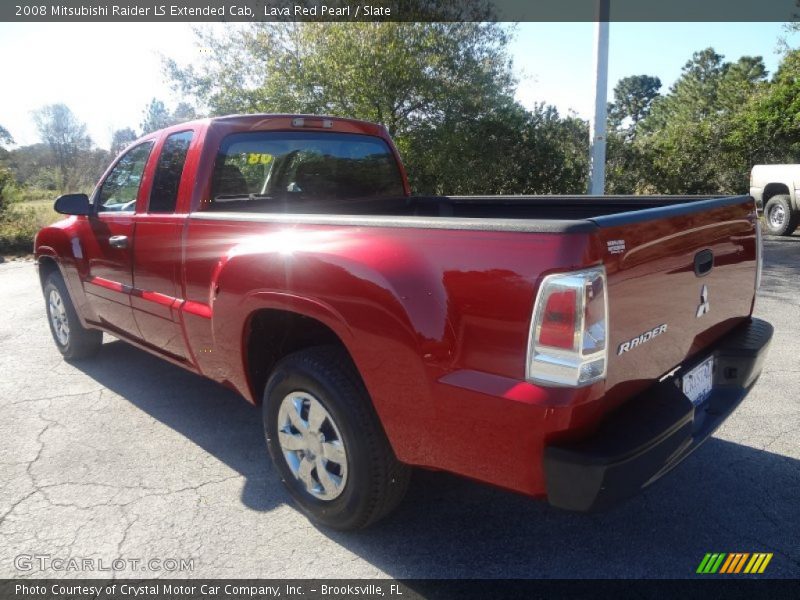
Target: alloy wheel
<point>58,317</point>
<point>312,445</point>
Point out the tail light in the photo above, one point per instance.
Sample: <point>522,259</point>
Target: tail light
<point>568,344</point>
<point>311,122</point>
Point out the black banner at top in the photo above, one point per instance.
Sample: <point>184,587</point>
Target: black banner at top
<point>398,10</point>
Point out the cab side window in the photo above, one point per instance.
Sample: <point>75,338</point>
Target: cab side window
<point>164,195</point>
<point>119,190</point>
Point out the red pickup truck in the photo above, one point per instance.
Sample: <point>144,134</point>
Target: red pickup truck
<point>573,348</point>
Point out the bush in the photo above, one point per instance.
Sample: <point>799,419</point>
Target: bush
<point>6,185</point>
<point>18,194</point>
<point>26,212</point>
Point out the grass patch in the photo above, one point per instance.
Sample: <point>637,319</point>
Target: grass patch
<point>23,218</point>
<point>26,195</point>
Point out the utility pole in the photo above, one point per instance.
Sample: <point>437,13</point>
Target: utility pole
<point>597,128</point>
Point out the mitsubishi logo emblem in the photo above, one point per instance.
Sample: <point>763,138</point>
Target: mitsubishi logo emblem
<point>705,306</point>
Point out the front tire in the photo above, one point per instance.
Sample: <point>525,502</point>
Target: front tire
<point>72,339</point>
<point>780,218</point>
<point>327,443</point>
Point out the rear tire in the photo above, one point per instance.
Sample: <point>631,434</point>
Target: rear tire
<point>72,339</point>
<point>779,216</point>
<point>327,443</point>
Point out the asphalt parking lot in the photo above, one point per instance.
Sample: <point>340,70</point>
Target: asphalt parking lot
<point>126,456</point>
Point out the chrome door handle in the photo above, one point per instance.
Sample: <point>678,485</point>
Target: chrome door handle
<point>118,241</point>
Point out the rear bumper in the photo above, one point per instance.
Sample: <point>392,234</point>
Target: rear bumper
<point>652,433</point>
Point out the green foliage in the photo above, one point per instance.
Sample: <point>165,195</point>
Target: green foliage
<point>7,181</point>
<point>394,73</point>
<point>35,166</point>
<point>26,213</point>
<point>157,116</point>
<point>628,166</point>
<point>699,137</point>
<point>31,176</point>
<point>694,95</point>
<point>510,151</point>
<point>767,126</point>
<point>66,138</point>
<point>633,97</point>
<point>183,112</point>
<point>25,162</point>
<point>443,90</point>
<point>121,138</point>
<point>5,137</point>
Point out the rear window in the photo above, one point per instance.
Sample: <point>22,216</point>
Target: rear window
<point>252,169</point>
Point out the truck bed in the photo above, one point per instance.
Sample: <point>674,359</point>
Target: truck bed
<point>512,213</point>
<point>540,207</point>
<point>652,248</point>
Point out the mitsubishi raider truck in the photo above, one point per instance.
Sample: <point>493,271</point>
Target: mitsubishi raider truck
<point>569,348</point>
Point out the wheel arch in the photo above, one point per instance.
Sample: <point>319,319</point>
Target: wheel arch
<point>271,334</point>
<point>49,262</point>
<point>395,329</point>
<point>777,188</point>
<point>273,329</point>
<point>47,265</point>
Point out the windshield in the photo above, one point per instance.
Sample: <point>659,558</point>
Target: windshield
<point>302,165</point>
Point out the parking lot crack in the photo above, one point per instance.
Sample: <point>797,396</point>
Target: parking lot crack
<point>30,465</point>
<point>15,505</point>
<point>123,539</point>
<point>39,440</point>
<point>192,488</point>
<point>56,397</point>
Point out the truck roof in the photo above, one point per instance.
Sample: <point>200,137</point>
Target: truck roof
<point>279,121</point>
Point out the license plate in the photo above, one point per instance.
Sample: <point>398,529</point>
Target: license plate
<point>698,382</point>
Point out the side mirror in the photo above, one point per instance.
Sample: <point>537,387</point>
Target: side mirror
<point>73,204</point>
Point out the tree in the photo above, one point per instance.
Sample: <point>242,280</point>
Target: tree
<point>739,81</point>
<point>633,97</point>
<point>5,137</point>
<point>396,73</point>
<point>6,181</point>
<point>28,163</point>
<point>90,167</point>
<point>35,166</point>
<point>183,112</point>
<point>156,116</point>
<point>434,85</point>
<point>6,176</point>
<point>767,127</point>
<point>510,151</point>
<point>66,137</point>
<point>121,139</point>
<point>695,92</point>
<point>684,144</point>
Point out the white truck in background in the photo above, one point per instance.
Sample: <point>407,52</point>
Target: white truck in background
<point>776,189</point>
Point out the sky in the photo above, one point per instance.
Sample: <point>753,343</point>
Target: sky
<point>108,72</point>
<point>555,62</point>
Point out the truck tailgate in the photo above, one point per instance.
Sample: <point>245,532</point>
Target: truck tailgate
<point>679,277</point>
